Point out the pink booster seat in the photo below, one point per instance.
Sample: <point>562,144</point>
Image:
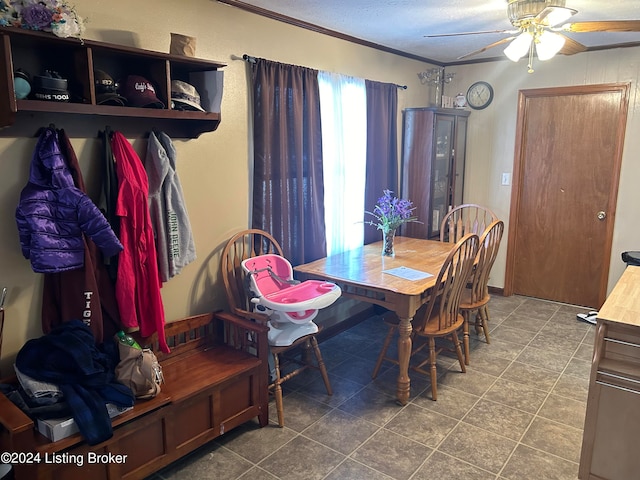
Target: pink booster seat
<point>290,304</point>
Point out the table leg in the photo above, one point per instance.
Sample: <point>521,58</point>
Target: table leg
<point>404,354</point>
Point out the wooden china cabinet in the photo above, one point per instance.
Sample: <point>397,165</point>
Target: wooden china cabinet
<point>433,158</point>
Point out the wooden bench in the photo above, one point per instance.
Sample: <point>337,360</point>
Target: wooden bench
<point>215,379</point>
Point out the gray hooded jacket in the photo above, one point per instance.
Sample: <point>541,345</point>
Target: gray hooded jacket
<point>172,230</point>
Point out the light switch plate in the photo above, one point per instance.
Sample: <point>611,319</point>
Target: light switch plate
<point>506,178</point>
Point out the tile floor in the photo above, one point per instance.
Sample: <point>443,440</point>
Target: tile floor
<point>516,414</point>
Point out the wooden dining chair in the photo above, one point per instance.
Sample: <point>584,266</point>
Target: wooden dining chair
<point>440,316</point>
<point>251,243</point>
<point>463,219</point>
<point>475,297</point>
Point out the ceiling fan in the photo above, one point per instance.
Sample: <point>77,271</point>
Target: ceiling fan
<point>539,25</point>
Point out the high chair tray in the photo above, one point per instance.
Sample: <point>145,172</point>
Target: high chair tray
<point>308,295</point>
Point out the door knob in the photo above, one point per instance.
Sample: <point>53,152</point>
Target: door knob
<point>601,215</point>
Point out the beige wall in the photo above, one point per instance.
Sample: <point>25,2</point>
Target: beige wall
<point>215,168</point>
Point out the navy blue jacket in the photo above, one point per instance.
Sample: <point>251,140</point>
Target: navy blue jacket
<point>68,357</point>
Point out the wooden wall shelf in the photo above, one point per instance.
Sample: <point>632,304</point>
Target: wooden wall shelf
<point>76,61</point>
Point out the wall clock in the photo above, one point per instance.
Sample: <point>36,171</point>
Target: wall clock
<point>479,95</point>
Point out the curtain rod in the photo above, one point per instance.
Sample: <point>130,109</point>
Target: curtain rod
<point>250,59</point>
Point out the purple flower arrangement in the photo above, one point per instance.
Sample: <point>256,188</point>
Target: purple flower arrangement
<point>391,212</point>
<point>55,16</point>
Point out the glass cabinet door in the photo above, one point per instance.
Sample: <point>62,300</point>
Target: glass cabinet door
<point>459,155</point>
<point>441,186</point>
<point>433,158</point>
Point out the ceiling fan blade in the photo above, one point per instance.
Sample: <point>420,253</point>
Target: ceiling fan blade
<point>484,49</point>
<point>571,47</point>
<point>469,33</point>
<point>603,26</point>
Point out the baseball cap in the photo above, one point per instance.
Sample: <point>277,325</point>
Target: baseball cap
<point>51,86</point>
<point>106,90</point>
<point>21,84</point>
<point>139,92</point>
<point>185,96</point>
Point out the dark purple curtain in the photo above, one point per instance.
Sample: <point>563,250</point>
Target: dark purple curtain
<point>288,186</point>
<point>382,147</point>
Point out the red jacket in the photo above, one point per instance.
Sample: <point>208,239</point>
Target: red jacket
<point>138,282</point>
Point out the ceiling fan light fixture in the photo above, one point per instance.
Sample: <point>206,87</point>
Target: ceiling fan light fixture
<point>558,15</point>
<point>519,47</point>
<point>548,44</point>
<point>519,10</point>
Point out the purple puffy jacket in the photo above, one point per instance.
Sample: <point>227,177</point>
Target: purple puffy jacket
<point>53,214</point>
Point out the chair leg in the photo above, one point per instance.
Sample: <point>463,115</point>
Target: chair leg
<point>321,366</point>
<point>278,392</point>
<point>478,323</point>
<point>383,352</point>
<point>465,331</point>
<point>484,315</point>
<point>456,343</point>
<point>305,354</point>
<point>433,370</point>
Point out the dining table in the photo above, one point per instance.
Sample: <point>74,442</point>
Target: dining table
<point>401,283</point>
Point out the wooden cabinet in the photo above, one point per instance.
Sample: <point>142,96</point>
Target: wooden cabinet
<point>612,421</point>
<point>34,52</point>
<point>433,158</point>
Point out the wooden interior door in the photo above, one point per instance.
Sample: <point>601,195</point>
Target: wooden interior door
<point>565,183</point>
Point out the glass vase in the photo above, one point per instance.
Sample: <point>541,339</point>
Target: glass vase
<point>388,238</point>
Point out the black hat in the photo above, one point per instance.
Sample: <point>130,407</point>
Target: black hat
<point>106,90</point>
<point>50,86</point>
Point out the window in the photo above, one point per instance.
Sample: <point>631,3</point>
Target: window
<point>325,148</point>
<point>343,110</point>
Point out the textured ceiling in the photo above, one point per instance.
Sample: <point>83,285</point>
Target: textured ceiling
<point>402,24</point>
